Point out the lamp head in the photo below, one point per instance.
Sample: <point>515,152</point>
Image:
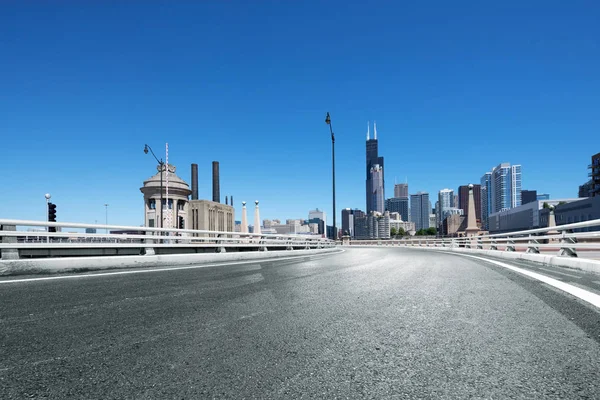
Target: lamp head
<point>327,119</point>
<point>146,149</point>
<point>470,186</point>
<point>47,196</point>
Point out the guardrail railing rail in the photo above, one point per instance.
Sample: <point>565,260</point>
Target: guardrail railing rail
<point>15,240</point>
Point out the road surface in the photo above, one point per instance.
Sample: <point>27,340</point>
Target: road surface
<point>365,323</point>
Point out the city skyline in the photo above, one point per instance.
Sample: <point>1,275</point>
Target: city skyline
<point>77,116</point>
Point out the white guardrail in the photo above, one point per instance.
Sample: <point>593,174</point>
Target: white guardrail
<point>16,240</point>
<point>573,240</point>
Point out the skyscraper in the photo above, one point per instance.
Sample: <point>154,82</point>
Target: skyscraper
<point>420,208</point>
<point>377,199</point>
<point>401,190</point>
<point>486,199</point>
<point>500,190</point>
<point>399,205</point>
<point>372,160</point>
<point>446,202</point>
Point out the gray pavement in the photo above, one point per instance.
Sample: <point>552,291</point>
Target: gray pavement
<point>366,323</point>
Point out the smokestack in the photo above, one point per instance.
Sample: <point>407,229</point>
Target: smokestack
<point>194,181</point>
<point>226,203</point>
<point>216,189</point>
<point>231,200</point>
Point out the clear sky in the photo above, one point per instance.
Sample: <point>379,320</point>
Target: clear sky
<point>455,87</point>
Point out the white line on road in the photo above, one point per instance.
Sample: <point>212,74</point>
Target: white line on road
<point>142,271</point>
<point>582,294</point>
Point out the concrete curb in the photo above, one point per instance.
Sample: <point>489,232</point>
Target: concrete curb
<point>582,264</point>
<point>84,264</point>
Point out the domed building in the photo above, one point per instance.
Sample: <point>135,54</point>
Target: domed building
<point>175,211</point>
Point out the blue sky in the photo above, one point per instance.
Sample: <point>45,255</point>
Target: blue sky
<point>455,88</point>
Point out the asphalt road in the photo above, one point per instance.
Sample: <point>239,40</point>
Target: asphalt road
<point>366,323</point>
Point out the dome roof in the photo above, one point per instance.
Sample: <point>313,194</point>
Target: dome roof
<point>175,182</point>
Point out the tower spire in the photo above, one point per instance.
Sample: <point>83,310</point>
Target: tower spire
<point>375,130</point>
<point>368,127</point>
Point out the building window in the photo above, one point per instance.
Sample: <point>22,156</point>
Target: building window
<point>151,223</point>
<point>180,205</point>
<point>152,204</point>
<point>164,202</point>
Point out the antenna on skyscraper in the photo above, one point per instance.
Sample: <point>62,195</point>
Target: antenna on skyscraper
<point>375,130</point>
<point>368,127</point>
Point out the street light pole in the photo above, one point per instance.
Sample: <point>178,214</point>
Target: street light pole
<point>328,122</point>
<point>161,163</point>
<point>47,196</point>
<point>106,220</point>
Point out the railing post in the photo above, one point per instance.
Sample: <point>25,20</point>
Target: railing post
<point>566,246</point>
<point>479,243</point>
<point>493,245</point>
<point>533,246</point>
<point>9,254</point>
<point>510,245</point>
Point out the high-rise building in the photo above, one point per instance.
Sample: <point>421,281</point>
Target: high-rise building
<point>486,199</point>
<point>595,176</point>
<point>399,205</point>
<point>502,190</point>
<point>317,216</point>
<point>348,220</point>
<point>377,199</point>
<point>401,190</point>
<point>420,208</point>
<point>528,196</point>
<point>373,159</point>
<point>445,202</point>
<point>463,200</point>
<point>585,190</point>
<point>542,196</point>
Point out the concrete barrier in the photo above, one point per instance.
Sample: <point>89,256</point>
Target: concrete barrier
<point>582,264</point>
<point>83,264</point>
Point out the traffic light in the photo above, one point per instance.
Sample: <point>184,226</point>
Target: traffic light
<point>181,223</point>
<point>51,216</point>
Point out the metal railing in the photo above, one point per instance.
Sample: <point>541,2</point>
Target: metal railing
<point>559,240</point>
<point>15,240</point>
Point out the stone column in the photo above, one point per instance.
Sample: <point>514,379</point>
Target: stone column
<point>256,219</point>
<point>244,227</point>
<point>472,228</point>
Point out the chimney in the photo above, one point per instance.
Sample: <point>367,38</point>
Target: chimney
<point>226,203</point>
<point>216,189</point>
<point>194,181</point>
<point>231,200</point>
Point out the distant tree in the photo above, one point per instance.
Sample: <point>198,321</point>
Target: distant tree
<point>562,202</point>
<point>401,232</point>
<point>420,232</point>
<point>393,232</point>
<point>431,231</point>
<point>546,205</point>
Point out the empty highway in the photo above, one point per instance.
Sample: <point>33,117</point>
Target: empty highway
<point>364,323</point>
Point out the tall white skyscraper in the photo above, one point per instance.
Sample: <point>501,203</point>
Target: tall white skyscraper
<point>500,190</point>
<point>445,202</point>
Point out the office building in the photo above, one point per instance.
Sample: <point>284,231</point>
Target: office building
<point>420,208</point>
<point>399,205</point>
<point>348,220</point>
<point>578,210</point>
<point>432,221</point>
<point>526,216</point>
<point>500,190</point>
<point>528,196</point>
<point>401,190</point>
<point>543,196</point>
<point>444,203</point>
<point>373,158</point>
<point>486,199</point>
<point>595,176</point>
<point>463,200</point>
<point>585,190</point>
<point>377,199</point>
